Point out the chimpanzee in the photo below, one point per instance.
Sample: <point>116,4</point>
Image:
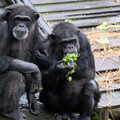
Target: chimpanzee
<point>81,95</point>
<point>18,37</point>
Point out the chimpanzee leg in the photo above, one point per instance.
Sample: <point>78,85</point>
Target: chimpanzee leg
<point>12,86</point>
<point>88,100</point>
<point>52,101</point>
<point>55,103</point>
<point>34,109</point>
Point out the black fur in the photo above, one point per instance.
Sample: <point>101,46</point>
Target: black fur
<point>17,73</point>
<point>82,94</point>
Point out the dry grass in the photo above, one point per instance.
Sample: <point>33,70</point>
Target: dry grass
<point>107,52</point>
<point>95,35</point>
<point>103,50</point>
<point>108,78</point>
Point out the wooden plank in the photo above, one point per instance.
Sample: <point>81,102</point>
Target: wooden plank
<point>91,22</point>
<point>36,2</point>
<point>52,19</point>
<point>115,87</point>
<point>83,12</point>
<point>113,42</point>
<point>107,63</point>
<point>91,29</point>
<point>109,100</point>
<point>77,6</point>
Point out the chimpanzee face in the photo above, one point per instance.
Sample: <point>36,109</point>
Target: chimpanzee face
<point>20,30</point>
<point>20,21</point>
<point>69,45</point>
<point>65,42</point>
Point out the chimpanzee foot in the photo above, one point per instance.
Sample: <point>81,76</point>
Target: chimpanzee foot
<point>61,117</point>
<point>34,109</point>
<point>15,115</point>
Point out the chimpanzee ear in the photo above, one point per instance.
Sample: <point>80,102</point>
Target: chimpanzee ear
<point>53,35</point>
<point>37,16</point>
<point>8,12</point>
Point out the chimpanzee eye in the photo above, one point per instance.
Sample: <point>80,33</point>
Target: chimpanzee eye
<point>17,19</point>
<point>22,19</point>
<point>26,19</point>
<point>74,41</point>
<point>64,42</point>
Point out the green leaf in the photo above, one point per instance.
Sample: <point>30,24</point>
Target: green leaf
<point>75,64</point>
<point>95,117</point>
<point>68,20</point>
<point>68,59</point>
<point>106,26</point>
<point>67,75</point>
<point>72,71</point>
<point>69,78</point>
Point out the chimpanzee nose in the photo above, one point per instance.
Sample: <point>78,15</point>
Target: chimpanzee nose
<point>70,46</point>
<point>21,25</point>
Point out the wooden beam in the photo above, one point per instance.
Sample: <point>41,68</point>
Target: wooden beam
<point>38,2</point>
<point>81,13</point>
<point>107,63</point>
<point>76,6</point>
<point>92,22</point>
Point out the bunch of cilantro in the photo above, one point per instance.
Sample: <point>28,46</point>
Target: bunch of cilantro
<point>69,58</point>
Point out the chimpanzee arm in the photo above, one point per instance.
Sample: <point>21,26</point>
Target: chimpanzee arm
<point>9,63</point>
<point>26,67</point>
<point>50,69</point>
<point>52,75</point>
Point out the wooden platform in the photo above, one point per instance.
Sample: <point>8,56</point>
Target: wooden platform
<point>82,13</point>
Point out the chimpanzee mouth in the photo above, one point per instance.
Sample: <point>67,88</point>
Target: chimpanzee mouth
<point>77,54</point>
<point>20,35</point>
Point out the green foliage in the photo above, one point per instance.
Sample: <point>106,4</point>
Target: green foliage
<point>95,117</point>
<point>68,59</point>
<point>106,26</point>
<point>68,20</point>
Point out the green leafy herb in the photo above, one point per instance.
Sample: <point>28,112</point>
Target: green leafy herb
<point>95,117</point>
<point>106,26</point>
<point>68,59</point>
<point>68,20</point>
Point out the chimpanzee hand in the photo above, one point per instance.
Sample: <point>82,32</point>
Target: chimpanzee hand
<point>40,55</point>
<point>57,67</point>
<point>43,59</point>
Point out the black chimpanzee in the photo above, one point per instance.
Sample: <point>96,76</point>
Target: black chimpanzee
<point>18,37</point>
<point>82,94</point>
